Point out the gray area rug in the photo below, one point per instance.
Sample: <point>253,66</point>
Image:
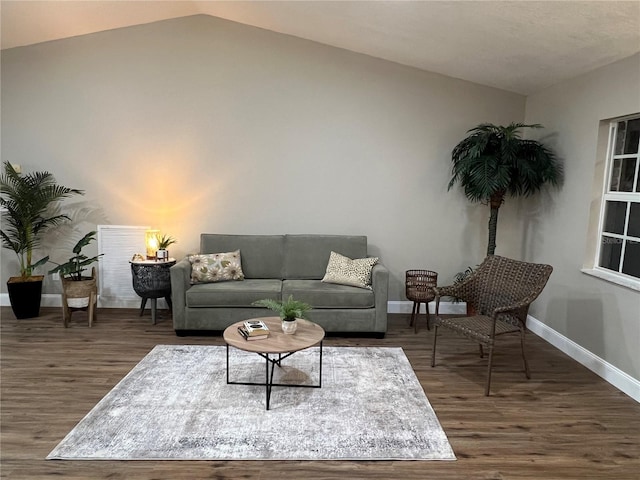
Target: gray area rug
<point>176,405</point>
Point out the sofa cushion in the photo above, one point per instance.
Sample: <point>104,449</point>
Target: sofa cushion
<point>345,271</point>
<point>216,267</point>
<point>328,295</point>
<point>262,255</point>
<point>233,294</point>
<point>306,256</point>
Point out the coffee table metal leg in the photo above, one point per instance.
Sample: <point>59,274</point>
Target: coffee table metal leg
<point>266,380</point>
<point>320,373</point>
<point>227,363</point>
<point>269,378</point>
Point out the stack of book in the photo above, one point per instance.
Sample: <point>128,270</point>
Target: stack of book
<point>253,330</point>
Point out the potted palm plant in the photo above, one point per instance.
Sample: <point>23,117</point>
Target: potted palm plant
<point>289,311</point>
<point>494,162</point>
<point>25,200</point>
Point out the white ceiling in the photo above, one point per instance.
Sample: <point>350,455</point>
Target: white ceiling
<point>522,46</point>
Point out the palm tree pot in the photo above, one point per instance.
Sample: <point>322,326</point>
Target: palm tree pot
<point>25,295</point>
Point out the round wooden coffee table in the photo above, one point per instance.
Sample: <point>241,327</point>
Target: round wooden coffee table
<point>275,348</point>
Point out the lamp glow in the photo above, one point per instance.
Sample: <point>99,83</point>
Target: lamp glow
<point>151,242</point>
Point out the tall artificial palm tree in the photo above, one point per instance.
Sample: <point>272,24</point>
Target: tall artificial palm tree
<point>494,161</point>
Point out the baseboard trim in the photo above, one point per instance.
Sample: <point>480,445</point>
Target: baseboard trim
<point>612,374</point>
<point>445,307</point>
<point>55,300</point>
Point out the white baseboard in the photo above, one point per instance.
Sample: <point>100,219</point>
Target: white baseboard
<point>55,300</point>
<point>616,377</point>
<point>46,300</point>
<point>445,307</point>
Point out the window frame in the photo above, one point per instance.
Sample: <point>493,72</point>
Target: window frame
<point>632,197</point>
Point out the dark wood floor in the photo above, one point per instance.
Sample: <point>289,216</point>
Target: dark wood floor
<point>563,423</point>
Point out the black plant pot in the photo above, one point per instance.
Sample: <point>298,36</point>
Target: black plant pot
<point>25,296</point>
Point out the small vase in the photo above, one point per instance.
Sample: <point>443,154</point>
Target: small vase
<point>289,326</point>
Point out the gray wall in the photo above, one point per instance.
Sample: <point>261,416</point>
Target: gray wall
<point>600,316</point>
<point>204,125</point>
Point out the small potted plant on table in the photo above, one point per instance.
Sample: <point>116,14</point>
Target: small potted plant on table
<point>163,243</point>
<point>78,291</point>
<point>289,311</point>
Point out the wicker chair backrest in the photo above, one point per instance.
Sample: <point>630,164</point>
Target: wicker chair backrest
<point>501,281</point>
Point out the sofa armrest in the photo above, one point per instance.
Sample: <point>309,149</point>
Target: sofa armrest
<point>380,285</point>
<point>180,283</point>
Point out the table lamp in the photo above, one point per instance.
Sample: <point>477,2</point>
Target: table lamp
<point>151,242</point>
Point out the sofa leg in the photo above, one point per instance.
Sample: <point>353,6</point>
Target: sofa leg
<point>181,333</point>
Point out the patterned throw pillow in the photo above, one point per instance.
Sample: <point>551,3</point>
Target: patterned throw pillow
<point>216,267</point>
<point>345,271</point>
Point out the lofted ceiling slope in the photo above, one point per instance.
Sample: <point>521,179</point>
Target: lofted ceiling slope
<point>520,46</point>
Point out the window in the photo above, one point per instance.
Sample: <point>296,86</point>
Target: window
<point>618,251</point>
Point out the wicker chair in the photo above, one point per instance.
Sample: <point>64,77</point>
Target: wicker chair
<point>419,285</point>
<point>501,291</point>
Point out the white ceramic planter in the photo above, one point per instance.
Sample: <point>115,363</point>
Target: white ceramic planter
<point>289,326</point>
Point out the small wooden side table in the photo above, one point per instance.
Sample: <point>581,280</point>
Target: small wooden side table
<point>152,280</point>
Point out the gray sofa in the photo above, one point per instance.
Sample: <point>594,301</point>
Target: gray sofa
<point>276,266</point>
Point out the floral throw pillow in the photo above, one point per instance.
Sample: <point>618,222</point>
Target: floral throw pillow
<point>216,267</point>
<point>345,271</point>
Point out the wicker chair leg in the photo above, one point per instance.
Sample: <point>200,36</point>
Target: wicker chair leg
<point>524,357</point>
<point>433,350</point>
<point>486,388</point>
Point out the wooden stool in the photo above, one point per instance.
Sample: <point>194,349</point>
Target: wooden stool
<point>419,285</point>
